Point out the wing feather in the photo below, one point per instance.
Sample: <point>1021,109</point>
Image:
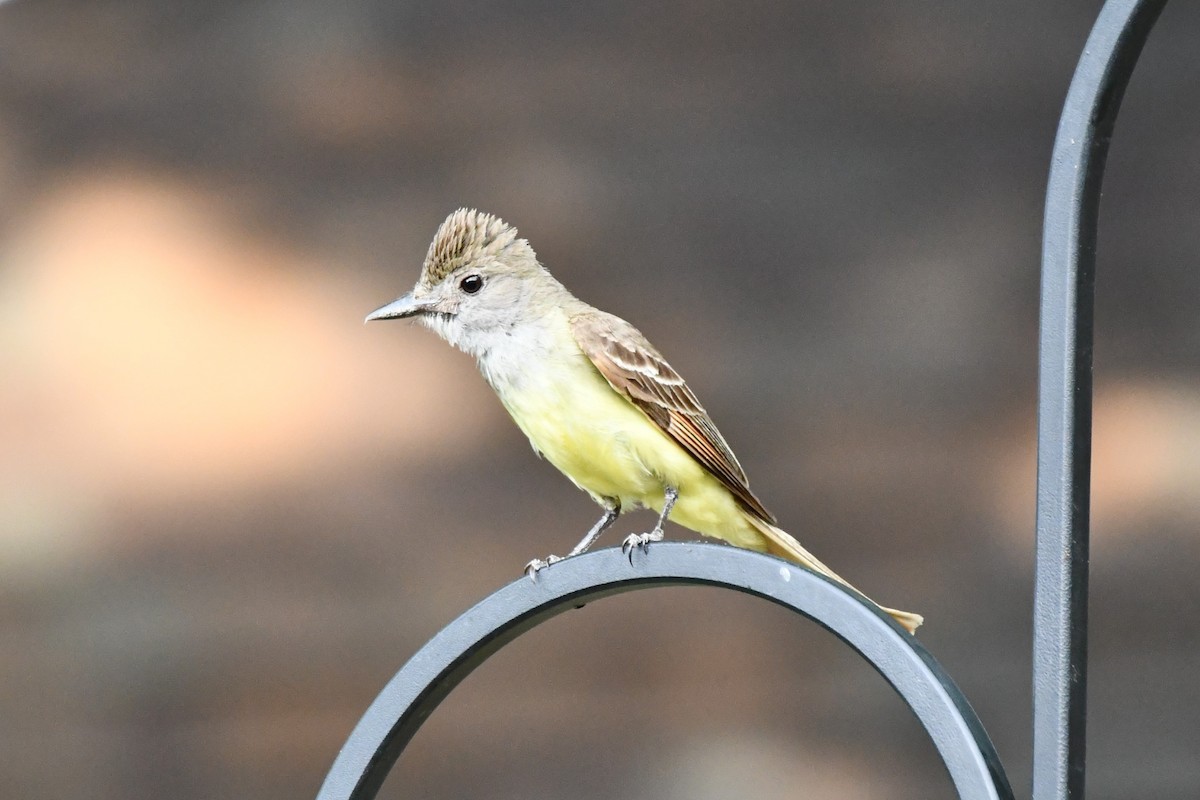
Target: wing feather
<point>634,368</point>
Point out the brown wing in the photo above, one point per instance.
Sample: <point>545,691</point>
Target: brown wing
<point>634,368</point>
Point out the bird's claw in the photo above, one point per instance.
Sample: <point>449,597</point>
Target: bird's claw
<point>538,564</point>
<point>639,541</point>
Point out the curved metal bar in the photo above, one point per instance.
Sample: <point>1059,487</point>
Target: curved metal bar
<point>415,691</point>
<point>1065,393</point>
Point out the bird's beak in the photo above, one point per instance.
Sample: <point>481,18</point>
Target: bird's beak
<point>401,307</point>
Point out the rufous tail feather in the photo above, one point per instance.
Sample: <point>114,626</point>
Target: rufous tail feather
<point>781,543</point>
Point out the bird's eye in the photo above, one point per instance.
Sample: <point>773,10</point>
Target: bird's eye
<point>471,284</point>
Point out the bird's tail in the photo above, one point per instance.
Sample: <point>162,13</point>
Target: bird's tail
<point>781,543</point>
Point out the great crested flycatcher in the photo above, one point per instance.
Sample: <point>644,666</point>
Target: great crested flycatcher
<point>592,394</point>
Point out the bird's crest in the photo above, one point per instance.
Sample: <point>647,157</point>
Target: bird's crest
<point>466,235</point>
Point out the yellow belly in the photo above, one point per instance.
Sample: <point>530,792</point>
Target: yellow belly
<point>610,449</point>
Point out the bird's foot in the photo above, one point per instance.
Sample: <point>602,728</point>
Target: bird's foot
<point>538,564</point>
<point>640,541</point>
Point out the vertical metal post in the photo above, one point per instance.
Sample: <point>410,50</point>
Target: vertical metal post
<point>1065,394</point>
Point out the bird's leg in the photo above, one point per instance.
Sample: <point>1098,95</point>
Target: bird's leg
<point>641,541</point>
<point>612,510</point>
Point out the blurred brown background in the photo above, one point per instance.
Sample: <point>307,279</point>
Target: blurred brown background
<point>229,512</point>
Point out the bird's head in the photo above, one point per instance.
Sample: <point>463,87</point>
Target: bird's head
<point>477,281</point>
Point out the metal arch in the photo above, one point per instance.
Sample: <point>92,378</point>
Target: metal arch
<point>1063,496</point>
<point>1065,393</point>
<point>416,690</point>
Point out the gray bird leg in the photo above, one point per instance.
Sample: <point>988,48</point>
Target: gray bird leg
<point>612,510</point>
<point>641,541</point>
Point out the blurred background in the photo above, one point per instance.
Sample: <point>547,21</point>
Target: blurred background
<point>229,512</point>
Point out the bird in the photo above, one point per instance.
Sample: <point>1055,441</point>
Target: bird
<point>594,397</point>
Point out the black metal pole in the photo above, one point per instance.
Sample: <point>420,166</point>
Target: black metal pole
<point>417,689</point>
<point>1065,394</point>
